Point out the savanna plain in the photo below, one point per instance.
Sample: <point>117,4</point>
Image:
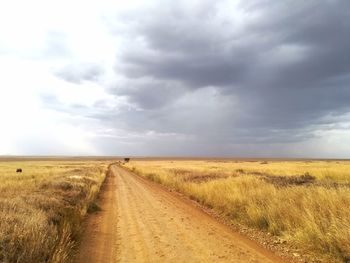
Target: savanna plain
<point>42,208</point>
<point>299,207</point>
<point>300,204</point>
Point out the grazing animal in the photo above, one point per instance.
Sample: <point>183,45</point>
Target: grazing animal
<point>19,170</point>
<point>126,160</point>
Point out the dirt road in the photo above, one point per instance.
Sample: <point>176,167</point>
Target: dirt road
<point>140,221</point>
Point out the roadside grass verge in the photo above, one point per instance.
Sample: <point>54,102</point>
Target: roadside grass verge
<point>41,209</point>
<point>303,203</point>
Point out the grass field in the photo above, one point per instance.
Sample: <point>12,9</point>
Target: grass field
<point>303,203</point>
<point>41,209</point>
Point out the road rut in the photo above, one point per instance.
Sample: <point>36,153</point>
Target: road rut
<point>140,221</point>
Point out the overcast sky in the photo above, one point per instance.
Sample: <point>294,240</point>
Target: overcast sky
<point>257,78</point>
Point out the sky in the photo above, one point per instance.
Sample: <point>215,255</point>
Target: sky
<point>252,78</point>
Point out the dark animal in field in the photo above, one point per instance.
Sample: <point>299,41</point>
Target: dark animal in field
<point>19,170</point>
<point>126,160</point>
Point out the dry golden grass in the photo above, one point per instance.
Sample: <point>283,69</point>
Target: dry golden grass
<point>41,208</point>
<point>305,203</point>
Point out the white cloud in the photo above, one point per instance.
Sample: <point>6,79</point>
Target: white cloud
<point>27,29</point>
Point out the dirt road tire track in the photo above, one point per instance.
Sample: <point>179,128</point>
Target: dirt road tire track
<point>140,221</point>
<point>98,242</point>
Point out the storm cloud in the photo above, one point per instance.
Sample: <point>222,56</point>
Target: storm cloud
<point>233,78</point>
<point>279,70</point>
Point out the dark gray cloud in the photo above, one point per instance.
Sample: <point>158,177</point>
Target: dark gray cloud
<point>227,77</point>
<point>286,64</point>
<point>149,93</point>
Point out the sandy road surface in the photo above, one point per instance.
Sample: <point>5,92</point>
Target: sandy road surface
<point>142,222</point>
